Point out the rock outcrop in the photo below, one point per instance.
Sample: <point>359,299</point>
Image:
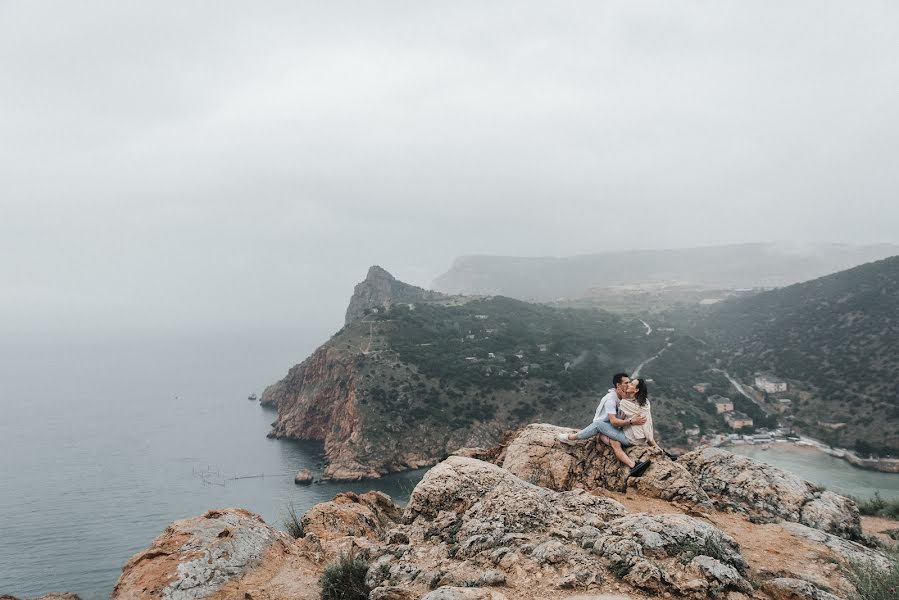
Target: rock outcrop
<point>348,514</point>
<point>470,522</point>
<point>197,558</point>
<point>303,477</point>
<point>535,455</point>
<point>787,588</point>
<point>758,488</point>
<point>473,530</point>
<point>381,290</point>
<point>317,401</point>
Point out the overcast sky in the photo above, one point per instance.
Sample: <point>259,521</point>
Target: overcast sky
<point>212,164</point>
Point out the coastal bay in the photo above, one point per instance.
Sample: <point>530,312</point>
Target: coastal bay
<point>819,467</point>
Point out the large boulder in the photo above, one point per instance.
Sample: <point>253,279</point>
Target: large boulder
<point>469,522</point>
<point>847,551</point>
<point>758,488</point>
<point>349,514</point>
<point>197,557</point>
<point>677,552</point>
<point>536,455</point>
<point>477,489</point>
<point>787,588</point>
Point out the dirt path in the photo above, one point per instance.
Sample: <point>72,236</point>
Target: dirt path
<point>636,372</point>
<point>742,390</point>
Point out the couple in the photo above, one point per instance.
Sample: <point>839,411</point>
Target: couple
<point>622,419</point>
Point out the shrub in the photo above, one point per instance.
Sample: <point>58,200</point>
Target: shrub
<point>293,523</point>
<point>872,583</point>
<point>878,507</point>
<point>345,579</point>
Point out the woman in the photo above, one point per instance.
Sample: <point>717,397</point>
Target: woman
<point>628,408</point>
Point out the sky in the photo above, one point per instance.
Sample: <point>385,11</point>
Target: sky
<point>205,165</point>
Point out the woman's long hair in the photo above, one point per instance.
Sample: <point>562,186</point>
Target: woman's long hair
<point>642,392</point>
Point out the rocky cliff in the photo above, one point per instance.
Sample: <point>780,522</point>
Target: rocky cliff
<point>545,524</point>
<point>380,289</point>
<point>350,399</point>
<point>424,375</point>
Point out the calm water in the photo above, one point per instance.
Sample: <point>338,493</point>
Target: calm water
<point>833,473</point>
<point>101,446</point>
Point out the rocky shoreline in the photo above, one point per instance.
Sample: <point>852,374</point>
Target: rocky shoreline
<point>534,519</point>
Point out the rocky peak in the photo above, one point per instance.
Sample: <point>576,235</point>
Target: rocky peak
<point>381,289</point>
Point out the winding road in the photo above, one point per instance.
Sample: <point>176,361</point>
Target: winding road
<point>742,389</point>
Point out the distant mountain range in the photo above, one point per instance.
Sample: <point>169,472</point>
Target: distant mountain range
<point>543,279</point>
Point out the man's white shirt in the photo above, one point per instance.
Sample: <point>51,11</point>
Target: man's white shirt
<point>607,406</point>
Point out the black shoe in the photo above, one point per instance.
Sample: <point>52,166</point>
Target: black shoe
<point>670,456</point>
<point>640,468</point>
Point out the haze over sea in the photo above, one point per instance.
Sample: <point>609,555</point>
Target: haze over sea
<point>101,442</point>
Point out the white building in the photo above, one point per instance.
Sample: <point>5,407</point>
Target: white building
<point>722,404</point>
<point>770,384</point>
<point>737,420</point>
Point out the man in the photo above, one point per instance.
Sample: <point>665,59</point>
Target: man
<point>608,426</point>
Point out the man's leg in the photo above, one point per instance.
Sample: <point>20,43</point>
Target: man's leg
<point>621,454</point>
<point>617,440</point>
<point>587,432</point>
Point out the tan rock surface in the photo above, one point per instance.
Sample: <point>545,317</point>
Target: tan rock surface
<point>758,488</point>
<point>472,527</point>
<point>213,556</point>
<point>535,455</point>
<point>348,514</point>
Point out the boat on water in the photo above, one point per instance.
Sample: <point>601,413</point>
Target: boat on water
<point>252,398</point>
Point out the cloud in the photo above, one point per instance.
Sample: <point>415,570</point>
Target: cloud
<point>216,162</point>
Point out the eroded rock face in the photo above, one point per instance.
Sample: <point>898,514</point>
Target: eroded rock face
<point>641,548</point>
<point>368,515</point>
<point>194,558</point>
<point>535,455</point>
<point>463,593</point>
<point>483,525</point>
<point>846,550</point>
<point>787,588</point>
<point>380,289</point>
<point>473,530</point>
<point>762,489</point>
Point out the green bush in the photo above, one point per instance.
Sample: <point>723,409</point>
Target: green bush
<point>878,507</point>
<point>872,583</point>
<point>345,579</point>
<point>293,523</point>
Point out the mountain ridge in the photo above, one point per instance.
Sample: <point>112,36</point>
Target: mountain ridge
<point>728,266</point>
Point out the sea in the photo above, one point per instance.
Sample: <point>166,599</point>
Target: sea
<point>106,440</point>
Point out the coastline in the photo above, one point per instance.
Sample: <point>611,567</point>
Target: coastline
<point>881,465</point>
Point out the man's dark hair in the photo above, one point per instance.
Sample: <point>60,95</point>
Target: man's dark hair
<point>618,377</point>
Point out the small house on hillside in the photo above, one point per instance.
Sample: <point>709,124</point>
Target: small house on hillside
<point>737,420</point>
<point>701,387</point>
<point>722,404</point>
<point>770,384</point>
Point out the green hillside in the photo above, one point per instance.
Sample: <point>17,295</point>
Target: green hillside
<point>835,339</point>
<point>500,356</point>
